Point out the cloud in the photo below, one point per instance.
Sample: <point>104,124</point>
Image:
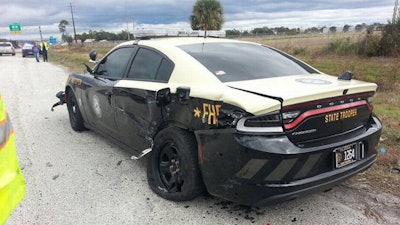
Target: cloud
<point>294,19</point>
<point>116,15</point>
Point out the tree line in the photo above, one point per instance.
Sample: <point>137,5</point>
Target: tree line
<point>209,15</point>
<point>124,35</point>
<point>95,35</point>
<point>295,31</point>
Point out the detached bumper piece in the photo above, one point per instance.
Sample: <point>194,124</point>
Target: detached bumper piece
<point>256,170</point>
<point>60,95</point>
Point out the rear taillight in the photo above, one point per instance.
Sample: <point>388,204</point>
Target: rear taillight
<point>294,115</point>
<point>288,117</point>
<point>370,101</point>
<point>267,123</point>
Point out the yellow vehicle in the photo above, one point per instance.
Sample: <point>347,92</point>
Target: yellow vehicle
<point>12,183</point>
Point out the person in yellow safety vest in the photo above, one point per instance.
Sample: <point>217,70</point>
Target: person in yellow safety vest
<point>44,46</point>
<point>12,183</point>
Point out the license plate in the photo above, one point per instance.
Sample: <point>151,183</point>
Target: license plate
<point>345,155</point>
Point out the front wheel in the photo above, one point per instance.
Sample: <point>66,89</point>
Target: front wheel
<point>172,170</point>
<point>75,116</point>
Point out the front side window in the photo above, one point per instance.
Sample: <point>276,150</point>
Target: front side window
<point>114,65</point>
<point>150,65</point>
<point>244,61</point>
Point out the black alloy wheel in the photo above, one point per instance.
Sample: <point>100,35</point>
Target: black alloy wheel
<point>75,116</point>
<point>169,167</point>
<point>172,170</point>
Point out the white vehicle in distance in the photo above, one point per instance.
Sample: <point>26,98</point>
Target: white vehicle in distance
<point>7,48</point>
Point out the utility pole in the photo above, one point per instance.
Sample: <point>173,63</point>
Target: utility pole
<point>395,12</point>
<point>133,28</point>
<point>127,30</point>
<point>73,22</point>
<point>40,32</point>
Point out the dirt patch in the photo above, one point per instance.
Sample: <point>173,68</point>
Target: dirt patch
<point>377,204</point>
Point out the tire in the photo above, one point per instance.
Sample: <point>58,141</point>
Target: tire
<point>173,170</point>
<point>75,116</point>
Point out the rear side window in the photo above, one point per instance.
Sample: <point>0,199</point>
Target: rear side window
<point>245,61</point>
<point>5,45</point>
<point>150,65</point>
<point>164,72</point>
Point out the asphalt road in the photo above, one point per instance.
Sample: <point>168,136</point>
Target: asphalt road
<point>82,178</point>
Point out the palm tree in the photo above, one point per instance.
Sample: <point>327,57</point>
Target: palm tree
<point>62,27</point>
<point>207,15</point>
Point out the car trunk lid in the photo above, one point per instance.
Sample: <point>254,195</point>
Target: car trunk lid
<point>316,106</point>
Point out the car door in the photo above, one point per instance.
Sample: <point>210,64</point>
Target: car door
<point>100,107</point>
<point>138,114</point>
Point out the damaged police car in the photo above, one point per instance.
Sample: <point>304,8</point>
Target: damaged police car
<point>243,121</point>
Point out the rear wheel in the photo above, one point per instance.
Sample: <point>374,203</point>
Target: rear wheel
<point>75,116</point>
<point>172,170</point>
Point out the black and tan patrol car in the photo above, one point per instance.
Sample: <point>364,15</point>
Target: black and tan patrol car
<point>245,122</point>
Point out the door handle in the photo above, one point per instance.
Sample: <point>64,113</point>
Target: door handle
<point>108,93</point>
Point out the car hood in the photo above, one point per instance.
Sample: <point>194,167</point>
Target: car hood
<point>301,88</point>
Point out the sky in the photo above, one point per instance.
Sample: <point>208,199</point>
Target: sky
<point>117,15</point>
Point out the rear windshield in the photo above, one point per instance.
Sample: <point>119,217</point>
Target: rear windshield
<point>5,45</point>
<point>245,61</point>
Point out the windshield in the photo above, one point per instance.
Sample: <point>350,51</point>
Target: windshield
<point>27,45</point>
<point>245,61</point>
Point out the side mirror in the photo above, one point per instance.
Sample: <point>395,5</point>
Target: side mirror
<point>93,55</point>
<point>163,96</point>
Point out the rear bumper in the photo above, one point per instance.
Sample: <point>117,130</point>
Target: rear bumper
<point>257,169</point>
<point>27,52</point>
<point>7,52</point>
